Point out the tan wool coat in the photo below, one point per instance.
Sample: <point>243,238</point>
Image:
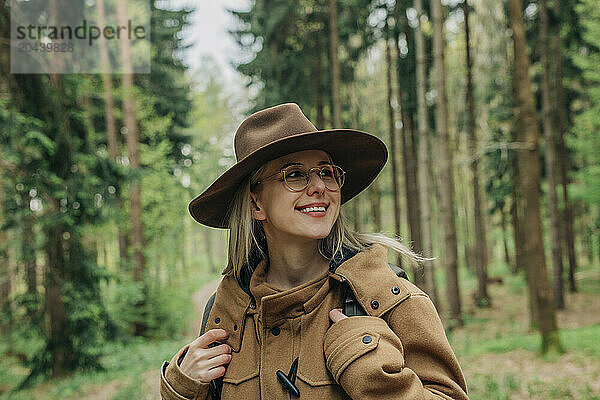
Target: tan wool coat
<point>398,351</point>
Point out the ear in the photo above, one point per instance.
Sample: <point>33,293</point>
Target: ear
<point>257,212</point>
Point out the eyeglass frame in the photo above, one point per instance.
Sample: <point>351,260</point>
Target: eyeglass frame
<point>307,174</point>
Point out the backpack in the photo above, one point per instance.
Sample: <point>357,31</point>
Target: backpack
<point>350,308</point>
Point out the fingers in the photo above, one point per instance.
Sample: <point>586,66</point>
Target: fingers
<point>218,350</point>
<point>218,361</point>
<point>204,363</point>
<point>210,337</point>
<point>212,374</point>
<point>337,315</point>
<point>213,362</point>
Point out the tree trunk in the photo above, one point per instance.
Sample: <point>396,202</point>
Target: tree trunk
<point>567,225</point>
<point>528,159</point>
<point>504,234</point>
<point>518,233</point>
<point>55,306</point>
<point>447,189</point>
<point>59,344</point>
<point>463,203</point>
<point>206,233</point>
<point>5,272</point>
<point>27,246</point>
<point>355,203</point>
<point>318,87</point>
<point>408,156</point>
<point>335,65</point>
<point>423,156</point>
<point>375,205</point>
<point>586,232</point>
<point>516,218</point>
<point>549,135</point>
<point>132,147</point>
<point>392,131</point>
<point>481,296</point>
<point>111,130</point>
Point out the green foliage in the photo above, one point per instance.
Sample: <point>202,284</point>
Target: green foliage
<point>167,312</point>
<point>287,48</point>
<point>60,181</point>
<point>126,364</point>
<point>586,141</point>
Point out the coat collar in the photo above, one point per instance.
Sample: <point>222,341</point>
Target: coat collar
<point>233,299</point>
<point>276,305</point>
<point>248,269</point>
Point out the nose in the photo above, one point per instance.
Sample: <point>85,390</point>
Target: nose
<point>315,185</point>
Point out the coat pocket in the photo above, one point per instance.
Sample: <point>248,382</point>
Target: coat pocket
<point>315,382</point>
<point>241,379</point>
<point>312,368</point>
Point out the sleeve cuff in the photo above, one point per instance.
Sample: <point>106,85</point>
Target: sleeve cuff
<point>349,339</point>
<point>177,385</point>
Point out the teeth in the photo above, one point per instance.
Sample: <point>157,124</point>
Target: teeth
<point>309,209</point>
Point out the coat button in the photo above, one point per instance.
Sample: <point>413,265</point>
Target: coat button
<point>217,320</point>
<point>374,304</point>
<point>235,327</point>
<point>366,339</point>
<point>275,330</point>
<point>253,305</point>
<point>395,290</point>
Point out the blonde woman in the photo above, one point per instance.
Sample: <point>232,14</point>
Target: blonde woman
<point>275,327</point>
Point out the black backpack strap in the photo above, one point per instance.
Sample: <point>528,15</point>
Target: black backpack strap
<point>216,385</point>
<point>352,307</point>
<point>399,271</point>
<point>207,308</point>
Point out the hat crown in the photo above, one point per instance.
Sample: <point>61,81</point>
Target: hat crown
<point>269,125</point>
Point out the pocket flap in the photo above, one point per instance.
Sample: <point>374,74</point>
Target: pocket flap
<point>311,364</point>
<point>343,353</point>
<point>244,364</point>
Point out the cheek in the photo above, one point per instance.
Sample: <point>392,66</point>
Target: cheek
<point>278,202</point>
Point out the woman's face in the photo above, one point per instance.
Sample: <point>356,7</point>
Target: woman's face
<point>284,213</point>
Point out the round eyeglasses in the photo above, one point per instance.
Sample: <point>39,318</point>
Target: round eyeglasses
<point>297,178</point>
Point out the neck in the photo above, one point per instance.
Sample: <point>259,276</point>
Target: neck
<point>294,264</point>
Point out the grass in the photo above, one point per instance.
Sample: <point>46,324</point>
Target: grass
<point>125,364</point>
<point>120,361</point>
<point>499,352</point>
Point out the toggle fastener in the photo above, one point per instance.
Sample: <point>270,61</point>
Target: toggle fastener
<point>287,381</point>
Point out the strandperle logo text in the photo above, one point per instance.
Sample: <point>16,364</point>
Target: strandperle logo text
<point>83,32</point>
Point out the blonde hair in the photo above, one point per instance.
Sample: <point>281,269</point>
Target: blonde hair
<point>247,239</point>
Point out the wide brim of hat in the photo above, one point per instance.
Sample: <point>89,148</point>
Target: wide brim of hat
<point>360,154</point>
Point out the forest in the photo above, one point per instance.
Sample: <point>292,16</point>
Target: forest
<point>491,114</point>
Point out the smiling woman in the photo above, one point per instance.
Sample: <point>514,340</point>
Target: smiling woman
<point>291,259</point>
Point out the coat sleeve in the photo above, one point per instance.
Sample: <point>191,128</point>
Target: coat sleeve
<point>407,357</point>
<point>175,385</point>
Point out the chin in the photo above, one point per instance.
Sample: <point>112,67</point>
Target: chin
<point>316,233</point>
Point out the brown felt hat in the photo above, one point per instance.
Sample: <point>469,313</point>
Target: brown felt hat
<point>280,130</point>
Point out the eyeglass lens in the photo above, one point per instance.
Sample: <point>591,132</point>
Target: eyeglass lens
<point>298,178</point>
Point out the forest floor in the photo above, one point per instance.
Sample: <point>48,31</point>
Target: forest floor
<point>497,350</point>
<point>499,353</point>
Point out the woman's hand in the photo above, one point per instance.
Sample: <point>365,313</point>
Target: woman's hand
<point>337,315</point>
<point>206,363</point>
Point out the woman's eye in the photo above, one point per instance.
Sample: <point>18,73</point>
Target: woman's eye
<point>294,174</point>
<point>327,173</point>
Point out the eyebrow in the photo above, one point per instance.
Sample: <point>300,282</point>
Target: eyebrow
<point>299,163</point>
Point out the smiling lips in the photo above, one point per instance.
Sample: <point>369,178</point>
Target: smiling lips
<point>314,209</point>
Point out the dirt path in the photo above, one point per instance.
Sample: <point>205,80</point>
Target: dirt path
<point>151,378</point>
<point>200,298</point>
<point>151,381</point>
